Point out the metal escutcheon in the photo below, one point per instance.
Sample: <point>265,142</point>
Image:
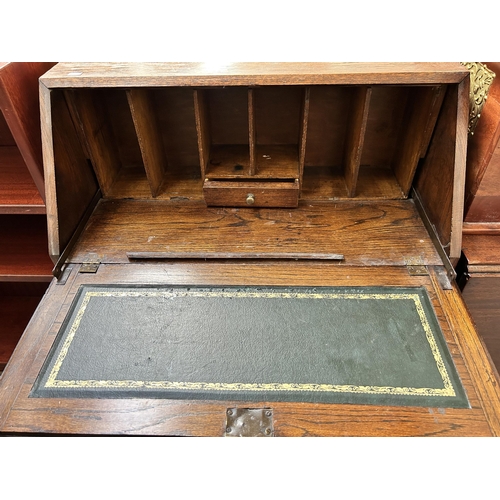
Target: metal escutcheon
<point>249,422</point>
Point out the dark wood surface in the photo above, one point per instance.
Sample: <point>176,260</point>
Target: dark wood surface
<point>481,241</point>
<point>18,301</point>
<point>19,413</point>
<point>482,296</point>
<point>25,267</point>
<point>21,169</point>
<point>75,177</point>
<point>251,193</point>
<point>485,208</point>
<point>483,158</point>
<point>23,233</point>
<point>481,250</point>
<point>440,180</point>
<point>23,248</point>
<point>19,104</point>
<point>481,292</point>
<point>271,162</point>
<point>18,192</point>
<point>422,108</point>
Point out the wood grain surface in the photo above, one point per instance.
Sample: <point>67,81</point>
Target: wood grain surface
<point>440,181</point>
<point>151,74</point>
<point>24,248</point>
<point>18,192</point>
<point>355,138</point>
<point>149,136</point>
<point>482,249</point>
<point>482,297</point>
<point>383,233</point>
<point>95,134</point>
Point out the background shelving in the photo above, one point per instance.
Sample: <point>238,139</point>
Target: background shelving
<point>25,265</point>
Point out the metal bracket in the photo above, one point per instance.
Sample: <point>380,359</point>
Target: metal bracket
<point>434,237</point>
<point>69,247</point>
<point>64,274</point>
<point>90,264</point>
<point>442,277</point>
<point>249,422</point>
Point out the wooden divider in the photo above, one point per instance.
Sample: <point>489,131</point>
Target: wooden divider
<point>422,109</point>
<point>70,182</point>
<point>355,138</point>
<point>202,130</point>
<point>264,133</point>
<point>94,130</point>
<point>303,132</point>
<point>150,141</point>
<point>251,132</point>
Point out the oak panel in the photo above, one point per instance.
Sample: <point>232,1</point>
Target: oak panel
<point>350,228</point>
<point>202,74</point>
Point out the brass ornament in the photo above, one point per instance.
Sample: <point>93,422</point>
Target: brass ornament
<point>481,79</point>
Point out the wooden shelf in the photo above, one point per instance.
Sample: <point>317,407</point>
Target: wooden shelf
<point>378,183</point>
<point>372,183</point>
<point>271,162</point>
<point>230,161</point>
<point>25,265</point>
<point>19,105</point>
<point>23,250</point>
<point>18,302</point>
<point>18,192</point>
<point>180,182</point>
<point>120,226</point>
<point>251,133</point>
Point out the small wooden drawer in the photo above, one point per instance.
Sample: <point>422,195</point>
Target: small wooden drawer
<point>251,193</point>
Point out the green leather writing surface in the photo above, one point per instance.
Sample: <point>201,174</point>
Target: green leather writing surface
<point>329,345</point>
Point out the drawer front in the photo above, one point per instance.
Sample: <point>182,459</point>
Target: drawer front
<point>251,194</point>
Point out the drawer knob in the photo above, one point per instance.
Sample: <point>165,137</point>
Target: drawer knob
<point>250,199</point>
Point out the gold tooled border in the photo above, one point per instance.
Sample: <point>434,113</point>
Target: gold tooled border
<point>447,390</point>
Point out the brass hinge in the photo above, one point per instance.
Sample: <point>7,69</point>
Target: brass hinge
<point>417,270</point>
<point>90,264</point>
<point>416,267</point>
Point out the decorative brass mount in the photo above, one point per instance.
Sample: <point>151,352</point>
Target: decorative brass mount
<point>481,79</point>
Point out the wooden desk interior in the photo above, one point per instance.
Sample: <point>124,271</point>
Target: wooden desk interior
<point>278,174</point>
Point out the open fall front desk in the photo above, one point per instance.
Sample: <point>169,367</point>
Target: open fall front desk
<point>264,249</point>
